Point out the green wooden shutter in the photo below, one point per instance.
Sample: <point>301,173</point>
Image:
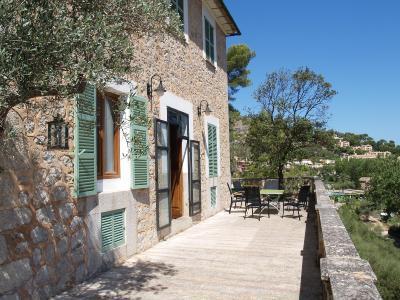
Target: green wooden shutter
<point>139,145</point>
<point>213,191</point>
<point>112,229</point>
<point>212,151</point>
<point>85,143</point>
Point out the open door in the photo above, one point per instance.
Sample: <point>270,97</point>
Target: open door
<point>163,190</point>
<point>195,178</point>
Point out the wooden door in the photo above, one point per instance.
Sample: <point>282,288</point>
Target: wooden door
<point>176,172</point>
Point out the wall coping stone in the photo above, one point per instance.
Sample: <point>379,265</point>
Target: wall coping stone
<point>349,276</point>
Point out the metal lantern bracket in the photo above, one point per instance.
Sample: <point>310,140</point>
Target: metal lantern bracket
<point>57,132</point>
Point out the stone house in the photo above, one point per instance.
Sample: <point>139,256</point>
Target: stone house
<point>119,182</point>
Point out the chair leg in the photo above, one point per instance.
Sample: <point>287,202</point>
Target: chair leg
<point>298,212</point>
<point>245,212</point>
<point>230,207</point>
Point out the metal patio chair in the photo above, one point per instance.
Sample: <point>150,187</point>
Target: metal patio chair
<point>236,197</point>
<point>253,200</point>
<point>294,204</point>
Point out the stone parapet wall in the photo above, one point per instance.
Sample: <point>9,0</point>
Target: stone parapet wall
<point>344,273</point>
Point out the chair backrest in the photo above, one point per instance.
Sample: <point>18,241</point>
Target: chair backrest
<point>237,185</point>
<point>303,193</point>
<point>271,184</point>
<point>229,187</point>
<point>252,194</point>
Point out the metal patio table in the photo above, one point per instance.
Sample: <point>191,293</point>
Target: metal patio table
<point>272,196</point>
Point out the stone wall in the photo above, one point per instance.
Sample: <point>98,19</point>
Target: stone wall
<point>344,274</point>
<point>42,236</point>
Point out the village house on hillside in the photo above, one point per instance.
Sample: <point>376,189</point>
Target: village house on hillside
<point>80,196</point>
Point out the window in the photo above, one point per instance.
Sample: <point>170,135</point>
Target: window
<point>177,5</point>
<point>212,151</point>
<point>112,229</point>
<point>209,40</point>
<point>213,191</point>
<point>107,137</point>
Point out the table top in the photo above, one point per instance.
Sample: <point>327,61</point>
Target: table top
<point>271,192</point>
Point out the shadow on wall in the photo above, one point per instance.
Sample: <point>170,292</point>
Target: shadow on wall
<point>123,282</point>
<point>311,284</point>
<point>43,238</point>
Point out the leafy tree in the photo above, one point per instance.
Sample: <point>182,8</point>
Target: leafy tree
<point>294,108</point>
<point>53,47</point>
<point>238,57</point>
<point>384,190</point>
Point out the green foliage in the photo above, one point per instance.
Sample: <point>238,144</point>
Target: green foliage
<point>238,57</point>
<point>293,112</point>
<point>383,256</point>
<point>353,169</point>
<point>385,186</point>
<point>54,47</point>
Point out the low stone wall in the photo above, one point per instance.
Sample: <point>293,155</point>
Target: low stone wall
<point>344,274</point>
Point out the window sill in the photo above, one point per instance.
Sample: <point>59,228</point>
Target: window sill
<point>210,65</point>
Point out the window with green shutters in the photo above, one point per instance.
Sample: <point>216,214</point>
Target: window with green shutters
<point>209,40</point>
<point>212,151</point>
<point>139,145</point>
<point>112,229</point>
<point>213,191</point>
<point>85,143</point>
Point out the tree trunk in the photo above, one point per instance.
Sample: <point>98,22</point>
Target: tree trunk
<point>280,176</point>
<point>3,116</point>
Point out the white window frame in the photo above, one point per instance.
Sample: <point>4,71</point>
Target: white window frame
<point>207,15</point>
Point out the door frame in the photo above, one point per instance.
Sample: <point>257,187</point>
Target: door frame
<point>187,139</point>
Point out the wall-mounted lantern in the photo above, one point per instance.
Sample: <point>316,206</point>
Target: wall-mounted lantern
<point>57,134</point>
<point>150,90</point>
<point>207,110</point>
<point>159,89</point>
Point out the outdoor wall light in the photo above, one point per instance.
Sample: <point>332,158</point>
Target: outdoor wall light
<point>159,89</point>
<point>57,134</point>
<point>207,110</point>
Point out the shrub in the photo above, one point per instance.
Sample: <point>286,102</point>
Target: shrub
<point>394,231</point>
<point>383,256</point>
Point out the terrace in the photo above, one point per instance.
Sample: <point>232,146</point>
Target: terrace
<point>229,257</point>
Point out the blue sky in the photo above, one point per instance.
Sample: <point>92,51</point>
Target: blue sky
<point>355,44</point>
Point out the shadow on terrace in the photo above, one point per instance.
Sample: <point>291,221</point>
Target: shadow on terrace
<point>123,282</point>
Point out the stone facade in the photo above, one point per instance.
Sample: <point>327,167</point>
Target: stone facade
<point>42,236</point>
<point>50,240</point>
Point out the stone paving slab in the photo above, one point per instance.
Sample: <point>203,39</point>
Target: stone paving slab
<point>223,257</point>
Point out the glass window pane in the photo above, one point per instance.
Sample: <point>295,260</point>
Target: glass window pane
<point>162,134</point>
<point>206,26</point>
<point>184,125</point>
<point>162,169</point>
<point>180,4</point>
<point>163,209</point>
<point>108,145</point>
<point>195,163</point>
<point>196,192</point>
<point>211,38</point>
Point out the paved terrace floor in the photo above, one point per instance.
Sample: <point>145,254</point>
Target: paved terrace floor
<point>223,257</point>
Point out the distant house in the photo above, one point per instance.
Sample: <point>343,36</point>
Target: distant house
<point>365,182</point>
<point>366,148</point>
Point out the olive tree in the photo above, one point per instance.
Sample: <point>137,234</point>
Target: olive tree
<point>53,47</point>
<point>293,113</point>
